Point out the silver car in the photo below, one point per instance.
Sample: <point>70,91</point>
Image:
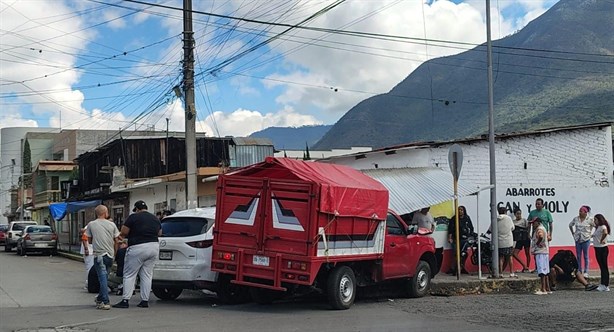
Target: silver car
<point>39,238</point>
<point>14,232</point>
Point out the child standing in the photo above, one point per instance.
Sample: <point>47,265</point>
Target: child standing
<point>539,248</point>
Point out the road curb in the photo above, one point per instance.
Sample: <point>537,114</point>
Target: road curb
<point>449,286</point>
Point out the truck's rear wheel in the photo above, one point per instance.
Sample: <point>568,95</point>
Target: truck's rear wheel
<point>166,293</point>
<point>341,288</point>
<point>264,296</point>
<point>230,293</point>
<point>420,283</point>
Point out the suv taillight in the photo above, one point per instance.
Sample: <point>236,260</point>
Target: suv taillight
<point>27,237</point>
<point>54,237</point>
<point>200,244</point>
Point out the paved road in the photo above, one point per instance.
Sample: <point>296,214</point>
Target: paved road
<point>41,293</point>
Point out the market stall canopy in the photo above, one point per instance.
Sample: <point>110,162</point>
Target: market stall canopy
<point>414,188</point>
<point>59,210</point>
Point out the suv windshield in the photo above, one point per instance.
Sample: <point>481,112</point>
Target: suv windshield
<point>185,226</point>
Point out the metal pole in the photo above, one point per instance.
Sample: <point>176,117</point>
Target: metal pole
<point>23,173</point>
<point>457,235</point>
<point>190,107</point>
<point>478,229</point>
<point>478,239</point>
<point>491,146</point>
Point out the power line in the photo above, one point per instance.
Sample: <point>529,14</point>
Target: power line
<point>363,34</point>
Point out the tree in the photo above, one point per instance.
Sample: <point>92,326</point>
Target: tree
<point>306,155</point>
<point>27,165</point>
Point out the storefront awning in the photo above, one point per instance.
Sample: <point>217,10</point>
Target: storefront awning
<point>59,210</point>
<point>414,188</point>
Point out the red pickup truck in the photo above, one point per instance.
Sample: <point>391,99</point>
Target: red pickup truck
<point>284,226</point>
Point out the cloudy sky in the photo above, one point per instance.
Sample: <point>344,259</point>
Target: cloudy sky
<point>109,64</point>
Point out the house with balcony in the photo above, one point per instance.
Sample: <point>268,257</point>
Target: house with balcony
<point>47,177</point>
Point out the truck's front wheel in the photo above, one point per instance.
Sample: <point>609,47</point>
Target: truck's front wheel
<point>420,283</point>
<point>341,288</point>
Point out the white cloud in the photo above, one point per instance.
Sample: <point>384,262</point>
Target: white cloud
<point>115,21</point>
<point>15,120</point>
<point>243,122</point>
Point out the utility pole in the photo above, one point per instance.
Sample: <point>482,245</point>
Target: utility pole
<point>166,150</point>
<point>166,168</point>
<point>491,146</point>
<point>191,189</point>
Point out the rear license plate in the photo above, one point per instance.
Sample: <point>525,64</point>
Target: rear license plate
<point>166,255</point>
<point>261,260</point>
<point>40,245</point>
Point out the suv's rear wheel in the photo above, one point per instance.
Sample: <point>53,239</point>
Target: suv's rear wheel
<point>167,293</point>
<point>341,288</point>
<point>230,293</point>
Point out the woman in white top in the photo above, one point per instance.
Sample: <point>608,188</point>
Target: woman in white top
<point>600,244</point>
<point>581,228</point>
<point>505,227</point>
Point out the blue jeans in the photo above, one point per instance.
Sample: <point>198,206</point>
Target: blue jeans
<point>582,253</point>
<point>102,264</point>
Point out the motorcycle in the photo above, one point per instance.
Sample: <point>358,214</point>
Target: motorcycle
<point>486,250</point>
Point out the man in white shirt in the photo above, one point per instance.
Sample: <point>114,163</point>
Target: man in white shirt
<point>424,219</point>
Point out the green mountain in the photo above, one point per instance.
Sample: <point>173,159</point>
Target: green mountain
<point>291,138</point>
<point>557,71</point>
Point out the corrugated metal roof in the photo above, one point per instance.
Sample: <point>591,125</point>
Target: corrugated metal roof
<point>252,141</point>
<point>414,188</point>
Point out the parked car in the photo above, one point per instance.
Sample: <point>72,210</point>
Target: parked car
<point>3,229</point>
<point>184,261</point>
<point>14,232</point>
<point>40,238</point>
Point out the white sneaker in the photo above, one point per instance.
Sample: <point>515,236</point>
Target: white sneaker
<point>603,288</point>
<point>585,274</point>
<point>539,292</point>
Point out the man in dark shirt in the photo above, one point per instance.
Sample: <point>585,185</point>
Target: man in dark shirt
<point>142,230</point>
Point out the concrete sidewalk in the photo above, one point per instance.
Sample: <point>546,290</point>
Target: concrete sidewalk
<point>447,285</point>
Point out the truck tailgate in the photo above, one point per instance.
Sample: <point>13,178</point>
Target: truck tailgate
<point>267,216</point>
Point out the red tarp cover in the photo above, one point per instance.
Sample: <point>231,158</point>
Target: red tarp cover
<point>343,190</point>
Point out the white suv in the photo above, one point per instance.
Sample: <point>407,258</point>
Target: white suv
<point>184,261</point>
<point>14,233</point>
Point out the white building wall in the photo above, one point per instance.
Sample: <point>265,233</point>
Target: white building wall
<point>566,168</point>
<point>155,194</point>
